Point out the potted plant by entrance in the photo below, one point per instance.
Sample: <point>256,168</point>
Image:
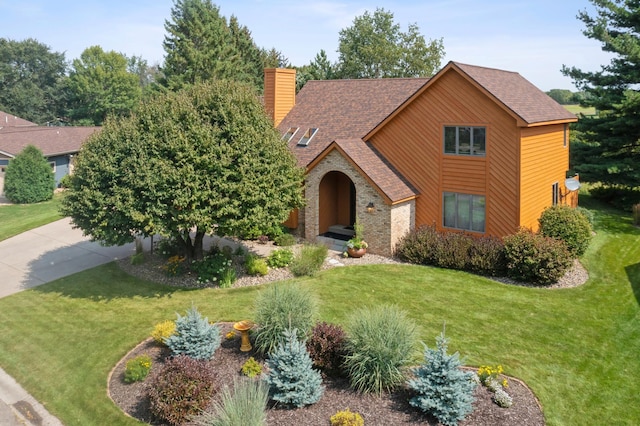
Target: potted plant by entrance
<point>357,246</point>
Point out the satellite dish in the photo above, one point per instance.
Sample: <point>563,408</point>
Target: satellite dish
<point>571,184</point>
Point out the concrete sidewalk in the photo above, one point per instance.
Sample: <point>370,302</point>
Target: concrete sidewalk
<point>30,259</point>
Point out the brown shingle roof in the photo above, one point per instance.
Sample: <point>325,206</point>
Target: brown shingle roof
<point>346,111</point>
<point>9,120</point>
<point>380,173</point>
<point>343,109</point>
<point>50,140</point>
<point>516,93</point>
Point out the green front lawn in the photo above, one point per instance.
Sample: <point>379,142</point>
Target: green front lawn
<point>576,348</point>
<point>18,218</point>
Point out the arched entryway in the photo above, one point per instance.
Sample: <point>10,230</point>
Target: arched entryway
<point>337,204</point>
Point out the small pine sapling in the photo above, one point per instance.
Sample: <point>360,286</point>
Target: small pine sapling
<point>292,379</point>
<point>442,389</point>
<point>194,336</point>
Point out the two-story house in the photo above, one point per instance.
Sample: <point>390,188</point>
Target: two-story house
<point>471,149</point>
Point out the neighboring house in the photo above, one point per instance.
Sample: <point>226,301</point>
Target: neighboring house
<point>58,144</point>
<point>471,149</point>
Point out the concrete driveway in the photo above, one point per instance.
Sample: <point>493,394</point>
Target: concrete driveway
<point>30,259</point>
<point>50,252</point>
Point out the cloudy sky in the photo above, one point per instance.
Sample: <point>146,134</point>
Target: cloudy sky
<point>532,37</point>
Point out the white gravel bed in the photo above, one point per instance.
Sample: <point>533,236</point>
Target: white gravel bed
<point>151,270</point>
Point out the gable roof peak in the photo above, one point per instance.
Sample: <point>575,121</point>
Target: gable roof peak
<point>516,94</point>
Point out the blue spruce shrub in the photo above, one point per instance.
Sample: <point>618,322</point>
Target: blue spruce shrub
<point>194,337</point>
<point>292,380</point>
<point>442,389</point>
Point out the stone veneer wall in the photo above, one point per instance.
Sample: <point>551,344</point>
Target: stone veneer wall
<point>382,228</point>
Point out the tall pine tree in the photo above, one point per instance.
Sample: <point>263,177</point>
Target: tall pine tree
<point>609,149</point>
<point>200,45</point>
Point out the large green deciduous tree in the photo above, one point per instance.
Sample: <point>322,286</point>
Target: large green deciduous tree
<point>205,159</point>
<point>29,178</point>
<point>30,78</point>
<point>375,47</point>
<point>609,151</point>
<point>100,84</point>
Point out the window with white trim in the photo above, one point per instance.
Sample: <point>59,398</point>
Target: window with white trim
<point>290,134</point>
<point>465,140</point>
<point>464,211</point>
<point>308,135</point>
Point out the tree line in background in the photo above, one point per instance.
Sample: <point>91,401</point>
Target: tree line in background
<point>567,97</point>
<point>200,44</point>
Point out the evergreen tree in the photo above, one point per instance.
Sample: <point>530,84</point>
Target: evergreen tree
<point>292,379</point>
<point>250,67</point>
<point>29,178</point>
<point>194,337</point>
<point>201,46</point>
<point>197,45</point>
<point>610,149</point>
<point>442,388</point>
<point>320,68</point>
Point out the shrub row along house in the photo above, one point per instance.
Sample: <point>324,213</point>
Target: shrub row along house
<point>471,149</point>
<point>58,144</point>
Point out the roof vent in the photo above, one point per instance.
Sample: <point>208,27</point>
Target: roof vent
<point>306,138</point>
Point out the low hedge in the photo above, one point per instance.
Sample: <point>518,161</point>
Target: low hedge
<point>453,250</point>
<point>524,256</point>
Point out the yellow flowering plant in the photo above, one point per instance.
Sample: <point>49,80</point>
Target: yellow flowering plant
<point>346,418</point>
<point>487,374</point>
<point>163,330</point>
<point>137,369</point>
<point>174,266</point>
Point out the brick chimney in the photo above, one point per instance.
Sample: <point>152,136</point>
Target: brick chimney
<point>279,92</point>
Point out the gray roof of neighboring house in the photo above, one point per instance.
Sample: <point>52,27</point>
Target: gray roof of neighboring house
<point>10,120</point>
<point>50,140</point>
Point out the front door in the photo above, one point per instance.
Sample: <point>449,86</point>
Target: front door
<point>337,204</point>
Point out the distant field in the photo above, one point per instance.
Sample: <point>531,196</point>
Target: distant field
<point>577,109</point>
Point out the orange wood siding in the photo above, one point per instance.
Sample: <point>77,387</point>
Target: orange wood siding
<point>464,172</point>
<point>292,220</point>
<point>279,92</point>
<point>413,142</point>
<point>544,162</point>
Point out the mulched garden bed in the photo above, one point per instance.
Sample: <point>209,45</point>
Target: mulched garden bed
<point>388,409</point>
